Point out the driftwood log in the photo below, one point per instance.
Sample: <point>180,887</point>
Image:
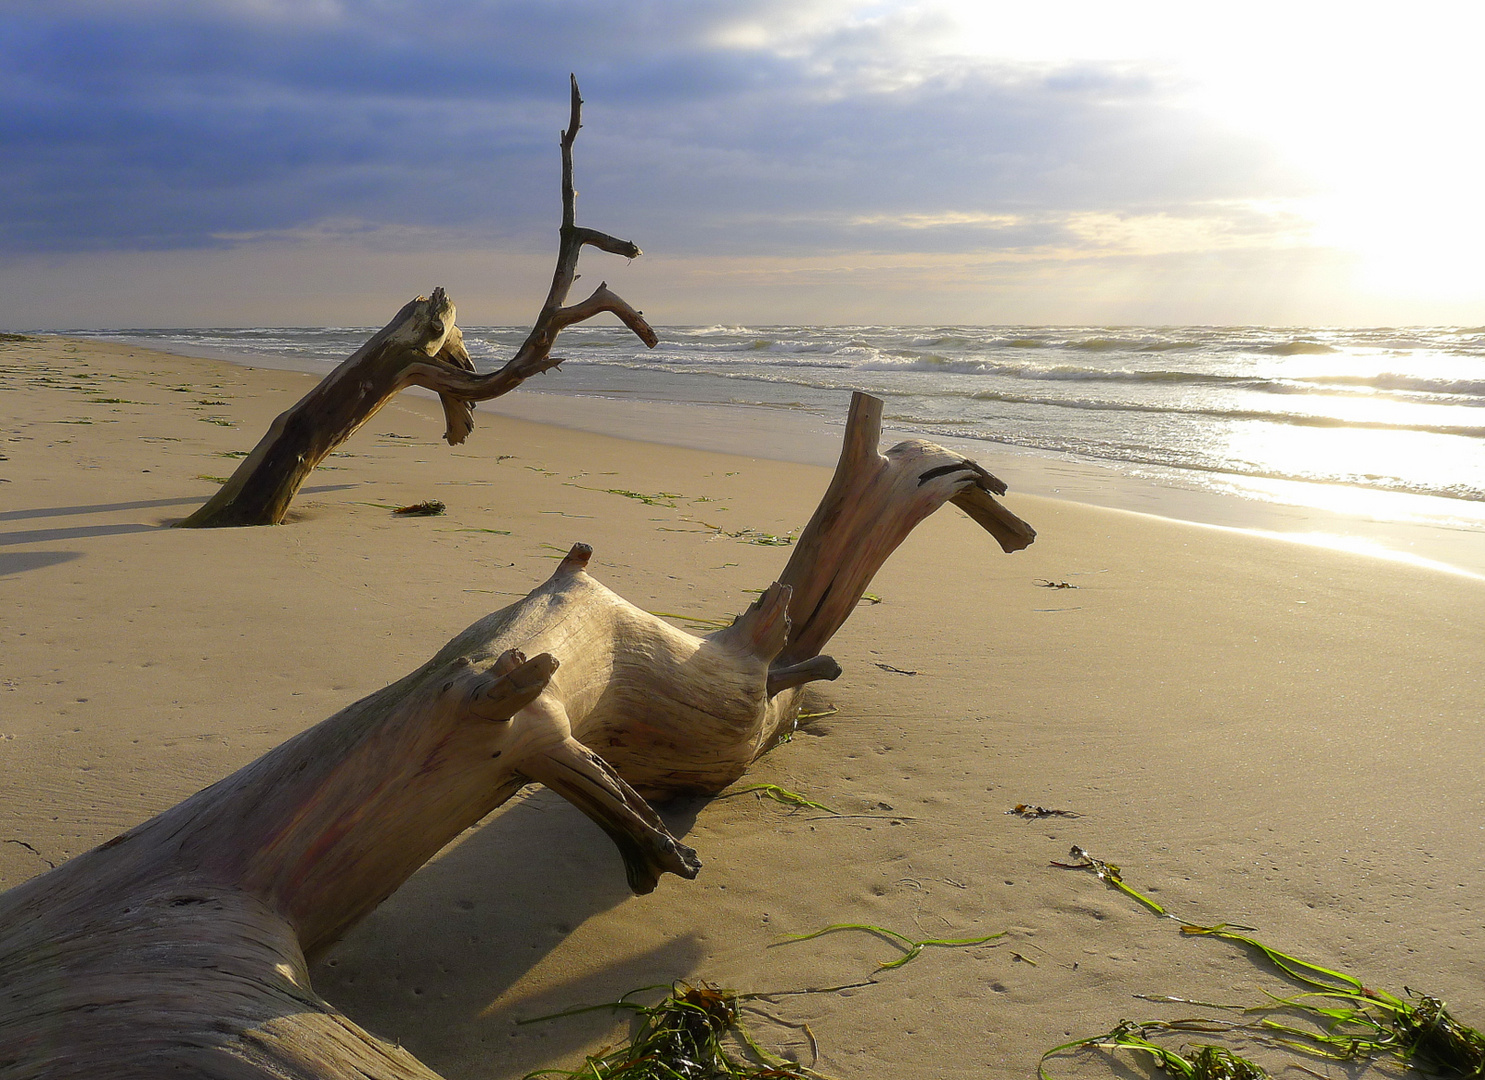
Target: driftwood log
<point>421,346</point>
<point>179,947</point>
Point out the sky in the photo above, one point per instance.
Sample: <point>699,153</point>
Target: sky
<point>317,162</point>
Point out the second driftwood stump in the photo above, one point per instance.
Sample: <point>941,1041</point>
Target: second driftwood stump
<point>180,947</point>
<point>422,347</point>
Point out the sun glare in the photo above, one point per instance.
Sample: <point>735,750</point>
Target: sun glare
<point>1375,114</point>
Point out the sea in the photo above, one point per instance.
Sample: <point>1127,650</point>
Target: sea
<point>1372,439</point>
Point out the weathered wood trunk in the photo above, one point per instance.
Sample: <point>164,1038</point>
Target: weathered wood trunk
<point>421,346</point>
<point>178,948</point>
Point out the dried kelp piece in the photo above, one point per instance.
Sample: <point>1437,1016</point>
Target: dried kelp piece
<point>897,670</point>
<point>1045,583</point>
<point>1427,1033</point>
<point>431,508</point>
<point>1109,874</point>
<point>911,948</point>
<point>683,1037</point>
<point>1205,1061</point>
<point>1030,811</point>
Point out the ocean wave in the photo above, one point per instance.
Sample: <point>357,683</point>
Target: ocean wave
<point>785,375</point>
<point>902,360</point>
<point>1297,419</point>
<point>1299,347</point>
<point>1160,457</point>
<point>1102,344</point>
<point>1416,390</point>
<point>1388,380</point>
<point>949,341</point>
<point>779,346</point>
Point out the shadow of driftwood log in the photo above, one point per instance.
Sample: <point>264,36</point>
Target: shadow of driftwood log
<point>433,995</point>
<point>18,562</point>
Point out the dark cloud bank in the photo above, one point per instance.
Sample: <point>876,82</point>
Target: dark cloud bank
<point>138,126</point>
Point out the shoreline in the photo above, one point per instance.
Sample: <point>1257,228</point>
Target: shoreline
<point>1256,732</point>
<point>1427,532</point>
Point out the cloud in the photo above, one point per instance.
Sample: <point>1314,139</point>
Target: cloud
<point>727,128</point>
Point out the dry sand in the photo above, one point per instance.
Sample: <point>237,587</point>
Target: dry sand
<point>1256,732</point>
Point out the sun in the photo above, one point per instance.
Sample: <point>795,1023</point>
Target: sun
<point>1375,114</point>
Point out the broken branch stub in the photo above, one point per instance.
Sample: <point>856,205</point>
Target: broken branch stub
<point>422,347</point>
<point>179,947</point>
<point>873,502</point>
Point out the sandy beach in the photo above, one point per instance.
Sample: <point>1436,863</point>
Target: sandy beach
<point>1257,732</point>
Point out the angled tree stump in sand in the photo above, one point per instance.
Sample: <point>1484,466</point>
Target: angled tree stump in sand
<point>421,346</point>
<point>179,948</point>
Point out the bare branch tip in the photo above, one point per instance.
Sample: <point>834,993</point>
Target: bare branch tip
<point>576,559</point>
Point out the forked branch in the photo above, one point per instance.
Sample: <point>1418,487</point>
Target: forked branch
<point>535,354</point>
<point>873,502</point>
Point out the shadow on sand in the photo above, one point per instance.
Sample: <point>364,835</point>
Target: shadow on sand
<point>426,967</point>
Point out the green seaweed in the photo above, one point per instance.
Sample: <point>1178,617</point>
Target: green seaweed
<point>1352,1021</point>
<point>911,948</point>
<point>1362,1023</point>
<point>783,795</point>
<point>1109,874</point>
<point>682,1037</point>
<point>1302,971</point>
<point>1205,1061</point>
<point>817,715</point>
<point>658,498</point>
<point>747,536</point>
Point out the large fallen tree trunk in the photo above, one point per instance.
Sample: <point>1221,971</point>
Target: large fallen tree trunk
<point>179,948</point>
<point>421,346</point>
